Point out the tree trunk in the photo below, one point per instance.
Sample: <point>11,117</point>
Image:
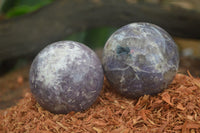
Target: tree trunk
<point>29,33</point>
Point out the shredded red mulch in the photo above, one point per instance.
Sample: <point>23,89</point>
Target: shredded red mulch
<point>177,109</point>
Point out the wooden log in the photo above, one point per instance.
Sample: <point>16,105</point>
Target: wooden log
<point>28,34</point>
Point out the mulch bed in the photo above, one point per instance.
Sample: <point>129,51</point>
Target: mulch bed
<point>176,109</point>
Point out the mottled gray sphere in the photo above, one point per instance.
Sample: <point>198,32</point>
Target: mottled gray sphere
<point>66,76</point>
<point>139,59</point>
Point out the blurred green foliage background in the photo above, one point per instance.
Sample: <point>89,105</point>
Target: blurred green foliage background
<point>13,8</point>
<point>94,38</point>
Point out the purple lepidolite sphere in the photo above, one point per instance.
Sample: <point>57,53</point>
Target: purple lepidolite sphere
<point>139,59</point>
<point>66,76</point>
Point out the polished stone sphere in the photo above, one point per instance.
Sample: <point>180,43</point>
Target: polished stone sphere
<point>66,76</point>
<point>140,59</point>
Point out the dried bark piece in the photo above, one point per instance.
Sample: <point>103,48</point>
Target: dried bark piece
<point>166,97</point>
<point>180,106</point>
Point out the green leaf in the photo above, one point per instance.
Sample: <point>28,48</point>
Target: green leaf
<point>79,37</point>
<point>25,6</point>
<point>20,10</point>
<point>93,38</point>
<point>97,37</point>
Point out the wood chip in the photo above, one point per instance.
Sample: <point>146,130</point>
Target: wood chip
<point>98,130</point>
<point>166,98</point>
<point>20,79</point>
<point>176,109</point>
<point>180,106</point>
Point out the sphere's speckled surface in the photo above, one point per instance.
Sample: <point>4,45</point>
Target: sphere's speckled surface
<point>139,59</point>
<point>66,76</point>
